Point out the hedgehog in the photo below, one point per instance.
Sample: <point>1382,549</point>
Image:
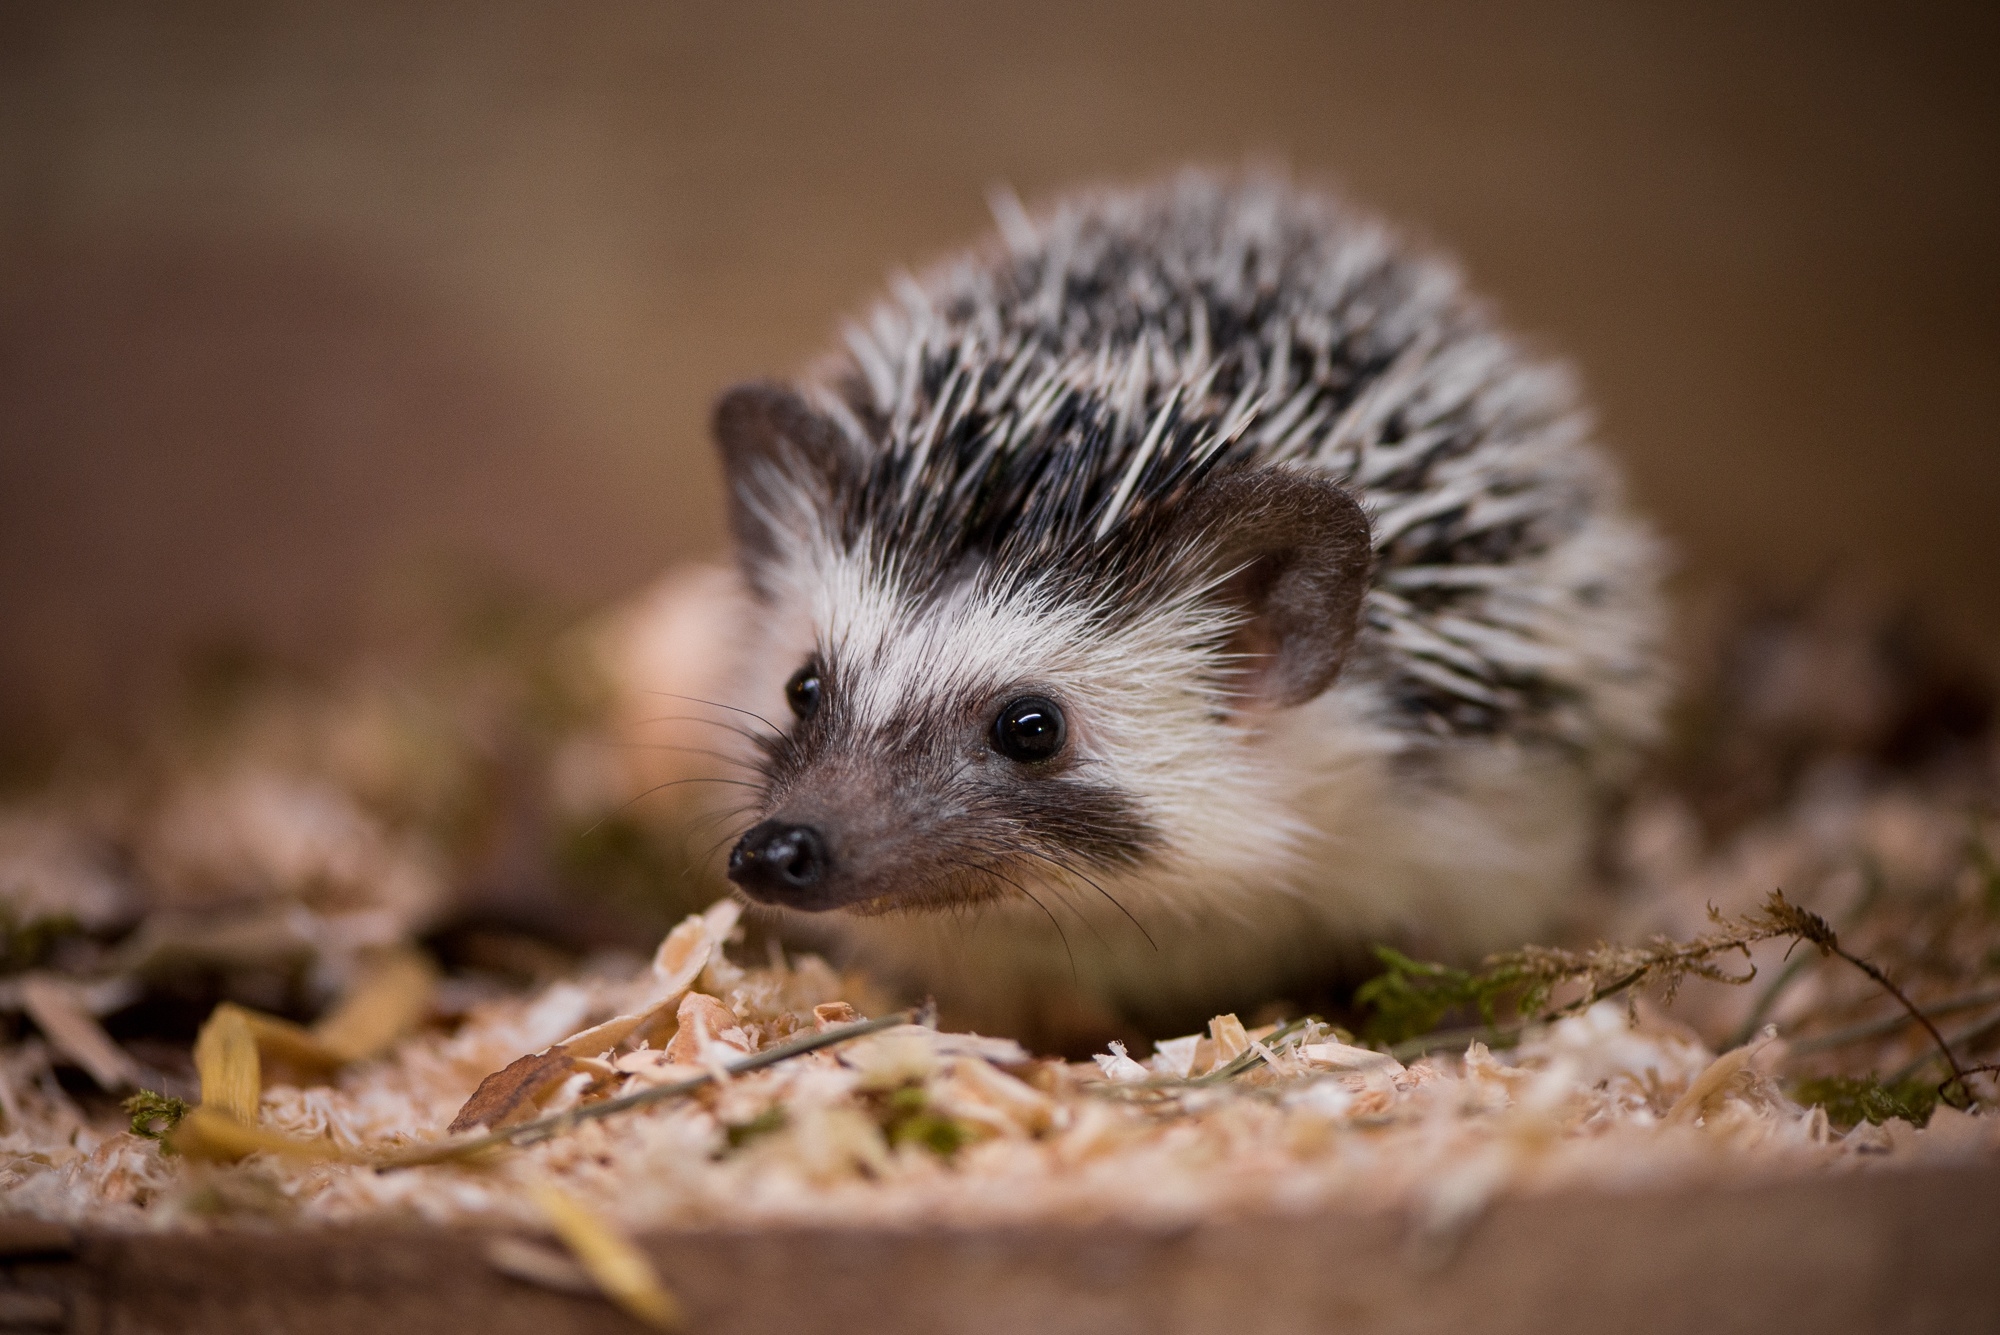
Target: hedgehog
<point>1153,607</point>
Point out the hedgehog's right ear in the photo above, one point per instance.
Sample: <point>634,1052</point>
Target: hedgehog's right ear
<point>1291,551</point>
<point>777,453</point>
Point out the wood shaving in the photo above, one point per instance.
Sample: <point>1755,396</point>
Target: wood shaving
<point>620,1269</point>
<point>391,997</point>
<point>64,1017</point>
<point>225,1057</point>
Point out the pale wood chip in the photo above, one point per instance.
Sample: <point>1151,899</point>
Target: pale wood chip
<point>545,1267</point>
<point>679,960</point>
<point>391,998</point>
<point>686,951</point>
<point>652,1067</point>
<point>977,1092</point>
<point>830,1013</point>
<point>225,1057</point>
<point>1230,1039</point>
<point>1118,1066</point>
<point>893,1058</point>
<point>637,1027</point>
<point>1175,1056</point>
<point>999,1051</point>
<point>64,1019</point>
<point>622,1272</point>
<point>1346,1057</point>
<point>705,1020</point>
<point>1706,1092</point>
<point>208,1133</point>
<point>721,918</point>
<point>601,1038</point>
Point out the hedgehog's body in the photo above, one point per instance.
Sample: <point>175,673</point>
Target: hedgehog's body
<point>1106,472</point>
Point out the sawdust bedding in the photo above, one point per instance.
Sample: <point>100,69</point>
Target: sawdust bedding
<point>911,1124</point>
<point>1597,1099</point>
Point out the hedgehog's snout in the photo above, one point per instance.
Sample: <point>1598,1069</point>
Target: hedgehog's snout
<point>778,862</point>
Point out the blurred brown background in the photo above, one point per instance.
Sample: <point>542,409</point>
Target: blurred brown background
<point>295,296</point>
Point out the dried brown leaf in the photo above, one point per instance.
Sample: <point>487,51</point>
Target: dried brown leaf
<point>512,1093</point>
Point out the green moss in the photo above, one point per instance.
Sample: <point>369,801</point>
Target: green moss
<point>909,1120</point>
<point>1412,997</point>
<point>23,945</point>
<point>1987,868</point>
<point>153,1115</point>
<point>764,1123</point>
<point>1851,1100</point>
<point>1409,998</point>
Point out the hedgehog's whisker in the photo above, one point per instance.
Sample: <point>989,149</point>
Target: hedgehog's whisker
<point>1062,897</point>
<point>622,807</point>
<point>717,704</point>
<point>729,836</point>
<point>1054,922</point>
<point>716,847</point>
<point>709,821</point>
<point>723,756</point>
<point>1066,867</point>
<point>744,733</point>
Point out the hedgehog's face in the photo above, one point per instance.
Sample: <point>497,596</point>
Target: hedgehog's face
<point>902,781</point>
<point>994,733</point>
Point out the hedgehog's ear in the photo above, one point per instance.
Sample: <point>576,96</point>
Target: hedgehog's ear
<point>776,450</point>
<point>1291,551</point>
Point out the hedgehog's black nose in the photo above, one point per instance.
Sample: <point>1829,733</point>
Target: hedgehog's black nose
<point>780,863</point>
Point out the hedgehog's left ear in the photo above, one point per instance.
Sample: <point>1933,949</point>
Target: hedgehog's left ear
<point>1291,550</point>
<point>772,441</point>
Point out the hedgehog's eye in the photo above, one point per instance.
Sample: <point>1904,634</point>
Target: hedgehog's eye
<point>1028,729</point>
<point>802,691</point>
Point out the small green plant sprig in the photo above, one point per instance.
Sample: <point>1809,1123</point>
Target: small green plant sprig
<point>1411,998</point>
<point>909,1119</point>
<point>1511,991</point>
<point>153,1115</point>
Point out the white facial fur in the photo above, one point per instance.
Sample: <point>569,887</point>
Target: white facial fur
<point>1145,703</point>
